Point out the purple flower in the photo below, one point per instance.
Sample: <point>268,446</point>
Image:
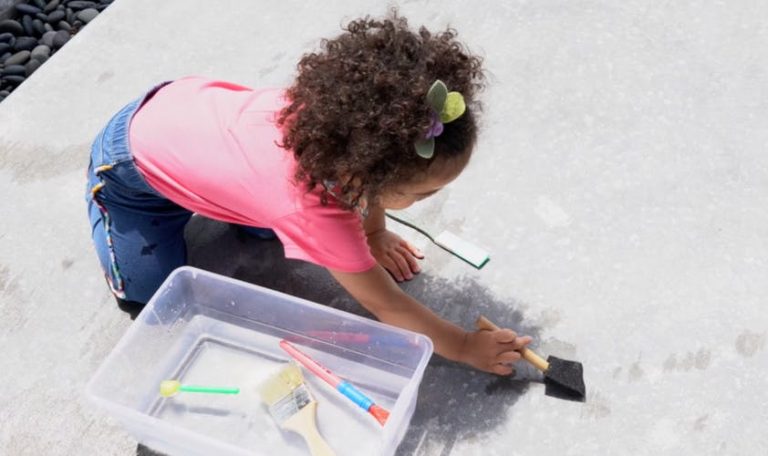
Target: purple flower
<point>436,129</point>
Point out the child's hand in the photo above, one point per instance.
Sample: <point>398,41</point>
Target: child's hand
<point>493,351</point>
<point>395,254</point>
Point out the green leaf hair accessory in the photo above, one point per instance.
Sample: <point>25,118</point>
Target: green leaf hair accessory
<point>453,108</point>
<point>425,148</point>
<point>446,107</point>
<point>437,95</point>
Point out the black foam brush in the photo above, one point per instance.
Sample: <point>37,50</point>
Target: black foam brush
<point>563,379</point>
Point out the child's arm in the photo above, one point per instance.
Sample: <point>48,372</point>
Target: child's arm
<point>395,254</point>
<point>490,351</point>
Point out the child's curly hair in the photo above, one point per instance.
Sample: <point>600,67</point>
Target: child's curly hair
<point>358,106</point>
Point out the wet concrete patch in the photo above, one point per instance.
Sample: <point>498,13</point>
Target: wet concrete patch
<point>12,306</point>
<point>748,343</point>
<point>699,360</point>
<point>29,163</point>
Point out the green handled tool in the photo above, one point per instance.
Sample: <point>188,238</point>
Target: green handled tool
<point>170,388</point>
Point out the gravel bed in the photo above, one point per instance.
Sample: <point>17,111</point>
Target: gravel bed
<point>36,30</point>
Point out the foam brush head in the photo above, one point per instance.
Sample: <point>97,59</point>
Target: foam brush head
<point>565,379</point>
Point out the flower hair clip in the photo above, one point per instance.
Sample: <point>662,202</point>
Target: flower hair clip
<point>446,107</point>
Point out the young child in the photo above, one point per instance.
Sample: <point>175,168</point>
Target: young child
<point>378,119</point>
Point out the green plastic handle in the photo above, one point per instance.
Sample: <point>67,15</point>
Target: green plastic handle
<point>208,389</point>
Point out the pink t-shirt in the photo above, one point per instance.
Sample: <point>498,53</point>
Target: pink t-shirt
<point>211,147</point>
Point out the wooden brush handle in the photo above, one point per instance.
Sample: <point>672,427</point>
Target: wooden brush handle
<point>304,423</point>
<point>317,444</point>
<point>527,354</point>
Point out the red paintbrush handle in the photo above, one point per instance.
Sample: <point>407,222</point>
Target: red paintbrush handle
<point>315,367</point>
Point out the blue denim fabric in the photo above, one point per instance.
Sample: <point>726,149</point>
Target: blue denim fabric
<point>138,234</point>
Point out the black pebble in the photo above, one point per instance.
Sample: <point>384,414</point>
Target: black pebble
<point>47,38</point>
<point>64,25</point>
<point>61,38</point>
<point>25,43</point>
<point>51,6</point>
<point>29,28</point>
<point>17,58</point>
<point>70,15</point>
<point>14,79</point>
<point>39,27</point>
<point>6,38</point>
<point>43,17</point>
<point>40,3</point>
<point>56,16</point>
<point>9,25</point>
<point>4,47</point>
<point>41,53</point>
<point>18,70</point>
<point>31,67</point>
<point>28,9</point>
<point>79,5</point>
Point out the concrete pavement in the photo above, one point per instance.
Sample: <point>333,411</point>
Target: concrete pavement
<point>621,185</point>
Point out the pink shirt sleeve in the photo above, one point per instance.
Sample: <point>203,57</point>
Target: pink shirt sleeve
<point>326,235</point>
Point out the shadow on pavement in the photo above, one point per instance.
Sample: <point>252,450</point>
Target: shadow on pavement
<point>456,403</point>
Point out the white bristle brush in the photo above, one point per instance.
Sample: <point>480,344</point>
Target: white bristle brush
<point>292,406</point>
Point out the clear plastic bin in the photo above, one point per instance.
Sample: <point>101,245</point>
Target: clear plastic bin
<point>205,329</point>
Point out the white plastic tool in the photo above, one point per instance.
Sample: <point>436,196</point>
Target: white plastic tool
<point>465,250</point>
<point>451,243</point>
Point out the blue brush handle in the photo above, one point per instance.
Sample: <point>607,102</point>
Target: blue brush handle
<point>363,401</point>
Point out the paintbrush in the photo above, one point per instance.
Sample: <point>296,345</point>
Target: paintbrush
<point>293,407</point>
<point>342,386</point>
<point>563,378</point>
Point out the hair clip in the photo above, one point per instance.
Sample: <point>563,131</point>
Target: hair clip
<point>446,107</point>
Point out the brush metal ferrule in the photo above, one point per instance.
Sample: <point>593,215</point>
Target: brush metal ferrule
<point>290,404</point>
